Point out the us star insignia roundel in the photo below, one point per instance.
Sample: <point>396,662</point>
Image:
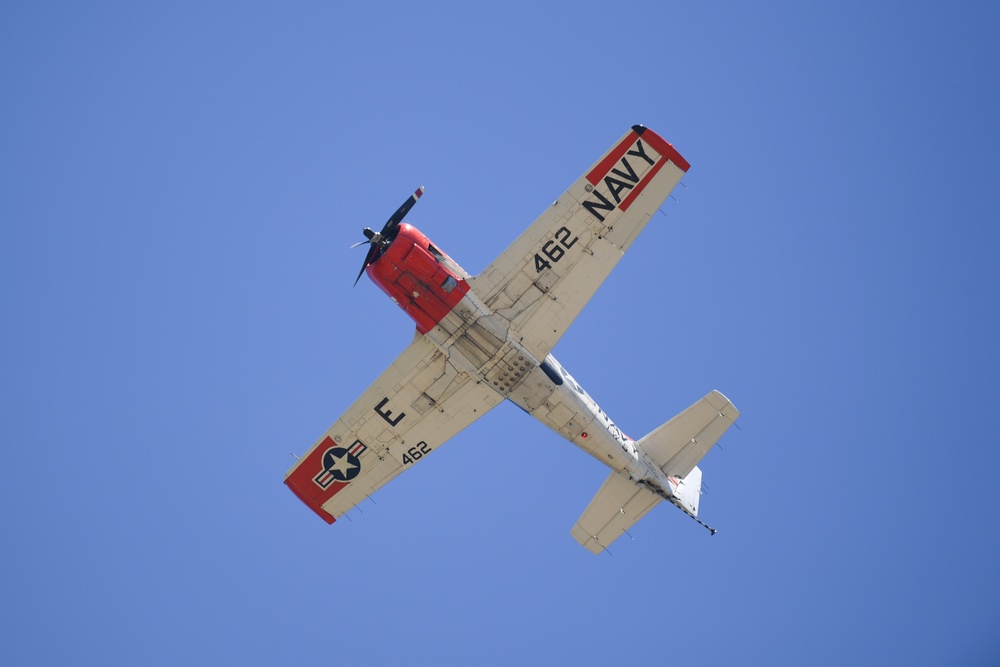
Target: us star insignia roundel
<point>340,465</point>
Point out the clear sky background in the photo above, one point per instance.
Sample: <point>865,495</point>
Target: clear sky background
<point>179,185</point>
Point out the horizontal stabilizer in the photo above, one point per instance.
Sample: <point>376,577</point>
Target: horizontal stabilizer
<point>619,503</point>
<point>678,446</point>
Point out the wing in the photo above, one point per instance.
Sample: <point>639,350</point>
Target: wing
<point>413,407</point>
<point>543,280</point>
<point>618,504</point>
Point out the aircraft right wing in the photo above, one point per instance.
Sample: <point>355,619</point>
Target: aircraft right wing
<point>413,407</point>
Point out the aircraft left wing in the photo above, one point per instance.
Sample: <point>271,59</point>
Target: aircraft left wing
<point>543,280</point>
<point>413,407</point>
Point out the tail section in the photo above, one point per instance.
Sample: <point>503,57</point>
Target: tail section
<point>688,492</point>
<point>618,504</point>
<point>675,448</point>
<point>678,446</point>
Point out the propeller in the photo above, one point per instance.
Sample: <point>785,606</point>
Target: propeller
<point>379,241</point>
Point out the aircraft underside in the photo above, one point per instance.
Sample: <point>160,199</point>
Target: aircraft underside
<point>482,339</point>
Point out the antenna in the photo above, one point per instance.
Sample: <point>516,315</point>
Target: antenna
<point>703,524</point>
<point>700,522</point>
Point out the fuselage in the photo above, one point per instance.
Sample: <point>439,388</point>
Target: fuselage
<point>434,291</point>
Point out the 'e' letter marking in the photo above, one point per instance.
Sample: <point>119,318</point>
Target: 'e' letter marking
<point>387,414</point>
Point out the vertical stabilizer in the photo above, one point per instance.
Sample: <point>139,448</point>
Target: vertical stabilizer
<point>689,491</point>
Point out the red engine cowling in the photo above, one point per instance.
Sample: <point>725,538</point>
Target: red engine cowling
<point>424,281</point>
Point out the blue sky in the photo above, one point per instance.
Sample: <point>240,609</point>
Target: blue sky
<point>180,185</point>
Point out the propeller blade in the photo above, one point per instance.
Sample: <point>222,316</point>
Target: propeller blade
<point>368,260</point>
<point>378,241</point>
<point>359,243</point>
<point>401,212</point>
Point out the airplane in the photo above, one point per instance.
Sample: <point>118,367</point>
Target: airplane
<point>482,339</point>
